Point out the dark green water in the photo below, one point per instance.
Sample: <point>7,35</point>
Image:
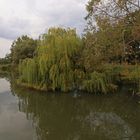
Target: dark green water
<point>28,115</point>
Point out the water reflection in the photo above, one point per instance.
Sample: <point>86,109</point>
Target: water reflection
<point>13,123</point>
<point>109,124</point>
<point>4,86</point>
<point>87,117</point>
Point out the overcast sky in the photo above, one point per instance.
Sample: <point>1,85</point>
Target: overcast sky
<point>34,17</point>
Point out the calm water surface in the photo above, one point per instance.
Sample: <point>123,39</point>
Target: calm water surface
<point>28,115</point>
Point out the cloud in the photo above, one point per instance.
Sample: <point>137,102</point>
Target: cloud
<point>5,45</point>
<point>62,13</point>
<point>33,17</point>
<point>13,28</point>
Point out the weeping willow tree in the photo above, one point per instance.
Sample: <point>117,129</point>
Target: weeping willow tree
<point>53,67</point>
<point>99,83</point>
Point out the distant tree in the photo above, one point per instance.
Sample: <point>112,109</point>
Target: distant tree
<point>6,60</point>
<point>23,47</point>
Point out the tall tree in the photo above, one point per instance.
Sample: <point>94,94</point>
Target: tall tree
<point>23,47</point>
<point>115,25</point>
<point>54,65</point>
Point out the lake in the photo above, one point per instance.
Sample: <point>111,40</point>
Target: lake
<point>32,115</point>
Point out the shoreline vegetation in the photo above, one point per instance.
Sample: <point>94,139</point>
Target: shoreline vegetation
<point>123,80</point>
<point>105,57</point>
<point>126,75</point>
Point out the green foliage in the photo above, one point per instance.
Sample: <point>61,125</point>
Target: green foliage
<point>23,47</point>
<point>97,63</point>
<point>106,78</point>
<point>6,60</point>
<point>117,73</point>
<point>98,83</point>
<point>131,74</point>
<point>112,32</point>
<point>5,67</point>
<point>54,67</point>
<point>57,65</point>
<point>31,71</point>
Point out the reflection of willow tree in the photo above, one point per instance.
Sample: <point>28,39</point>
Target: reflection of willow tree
<point>64,117</point>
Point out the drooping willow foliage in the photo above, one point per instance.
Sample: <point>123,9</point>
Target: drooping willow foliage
<point>99,83</point>
<point>53,67</point>
<point>56,66</point>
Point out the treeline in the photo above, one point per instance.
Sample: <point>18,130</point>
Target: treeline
<point>108,53</point>
<point>5,64</point>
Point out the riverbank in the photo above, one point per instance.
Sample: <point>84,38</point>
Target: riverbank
<point>105,79</point>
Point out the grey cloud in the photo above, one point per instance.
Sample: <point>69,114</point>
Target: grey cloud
<point>13,28</point>
<point>33,17</point>
<point>44,14</point>
<point>63,13</point>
